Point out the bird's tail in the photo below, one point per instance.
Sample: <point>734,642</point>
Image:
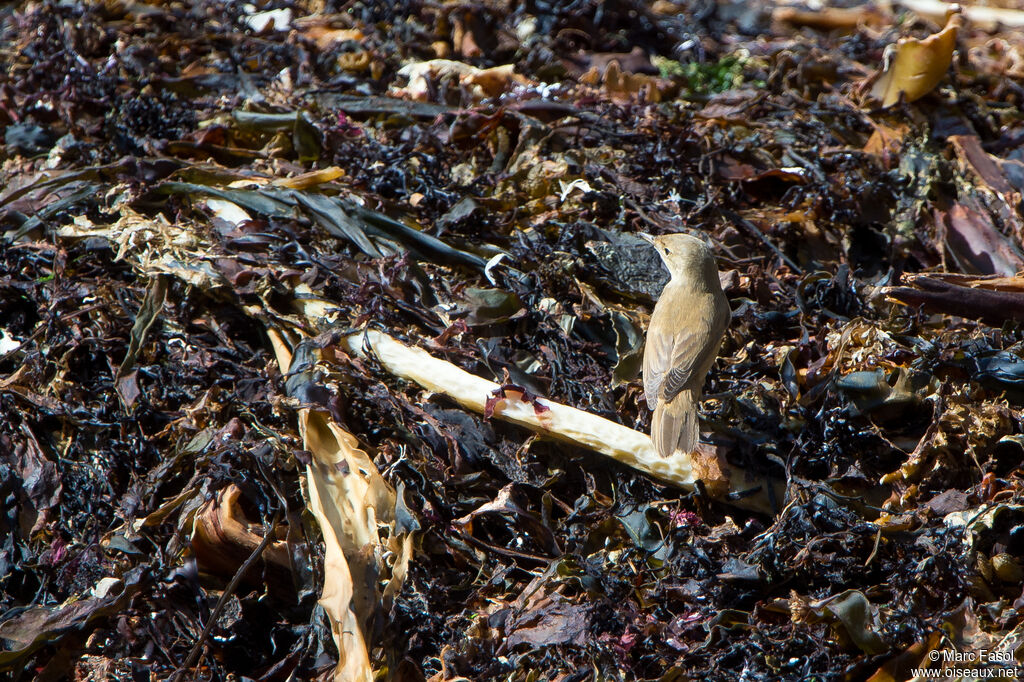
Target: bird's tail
<point>674,425</point>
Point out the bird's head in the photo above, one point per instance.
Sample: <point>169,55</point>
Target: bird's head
<point>684,255</point>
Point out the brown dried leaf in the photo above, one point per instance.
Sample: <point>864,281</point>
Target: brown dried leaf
<point>918,65</point>
<point>977,244</point>
<point>222,537</point>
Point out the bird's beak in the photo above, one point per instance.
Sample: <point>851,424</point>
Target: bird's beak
<point>646,237</point>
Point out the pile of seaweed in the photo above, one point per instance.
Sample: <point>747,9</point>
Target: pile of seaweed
<point>203,203</point>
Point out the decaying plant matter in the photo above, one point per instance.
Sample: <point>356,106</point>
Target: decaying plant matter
<point>321,327</point>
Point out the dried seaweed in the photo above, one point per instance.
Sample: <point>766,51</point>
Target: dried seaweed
<point>313,316</point>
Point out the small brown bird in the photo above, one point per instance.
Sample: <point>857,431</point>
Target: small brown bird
<point>686,330</point>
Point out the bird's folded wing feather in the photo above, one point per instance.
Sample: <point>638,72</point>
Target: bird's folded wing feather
<point>669,360</point>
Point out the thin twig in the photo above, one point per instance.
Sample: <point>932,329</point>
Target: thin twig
<point>197,648</point>
<point>752,229</point>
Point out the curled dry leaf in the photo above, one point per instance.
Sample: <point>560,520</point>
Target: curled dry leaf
<point>886,141</point>
<point>849,613</point>
<point>917,66</point>
<point>222,536</point>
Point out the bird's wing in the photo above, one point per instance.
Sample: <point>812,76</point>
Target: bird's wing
<point>669,360</point>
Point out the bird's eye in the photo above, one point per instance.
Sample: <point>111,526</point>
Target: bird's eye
<point>667,252</point>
